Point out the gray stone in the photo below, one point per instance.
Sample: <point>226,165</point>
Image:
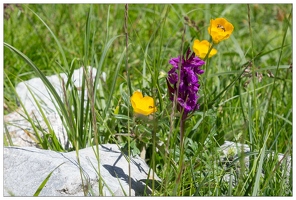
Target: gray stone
<point>26,168</point>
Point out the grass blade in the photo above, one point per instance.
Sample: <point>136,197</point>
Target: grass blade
<point>41,186</point>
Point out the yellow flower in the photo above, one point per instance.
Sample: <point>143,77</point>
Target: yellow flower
<point>142,105</point>
<point>201,49</point>
<point>220,29</point>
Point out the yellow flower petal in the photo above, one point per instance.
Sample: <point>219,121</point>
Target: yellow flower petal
<point>142,105</point>
<point>201,49</point>
<point>220,29</point>
<point>137,96</point>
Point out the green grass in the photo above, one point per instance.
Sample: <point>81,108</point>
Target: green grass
<point>44,39</point>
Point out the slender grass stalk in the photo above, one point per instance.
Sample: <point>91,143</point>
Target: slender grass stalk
<point>254,99</point>
<point>89,82</point>
<point>94,125</point>
<point>129,92</point>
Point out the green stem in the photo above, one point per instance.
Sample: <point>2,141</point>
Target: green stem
<point>130,93</point>
<point>181,163</point>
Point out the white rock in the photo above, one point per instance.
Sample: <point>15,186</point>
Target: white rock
<point>231,152</point>
<point>26,168</point>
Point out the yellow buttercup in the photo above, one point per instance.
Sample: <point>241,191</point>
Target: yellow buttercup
<point>220,29</point>
<point>201,49</point>
<point>142,105</point>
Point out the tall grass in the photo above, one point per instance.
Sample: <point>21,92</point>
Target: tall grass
<point>132,45</point>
